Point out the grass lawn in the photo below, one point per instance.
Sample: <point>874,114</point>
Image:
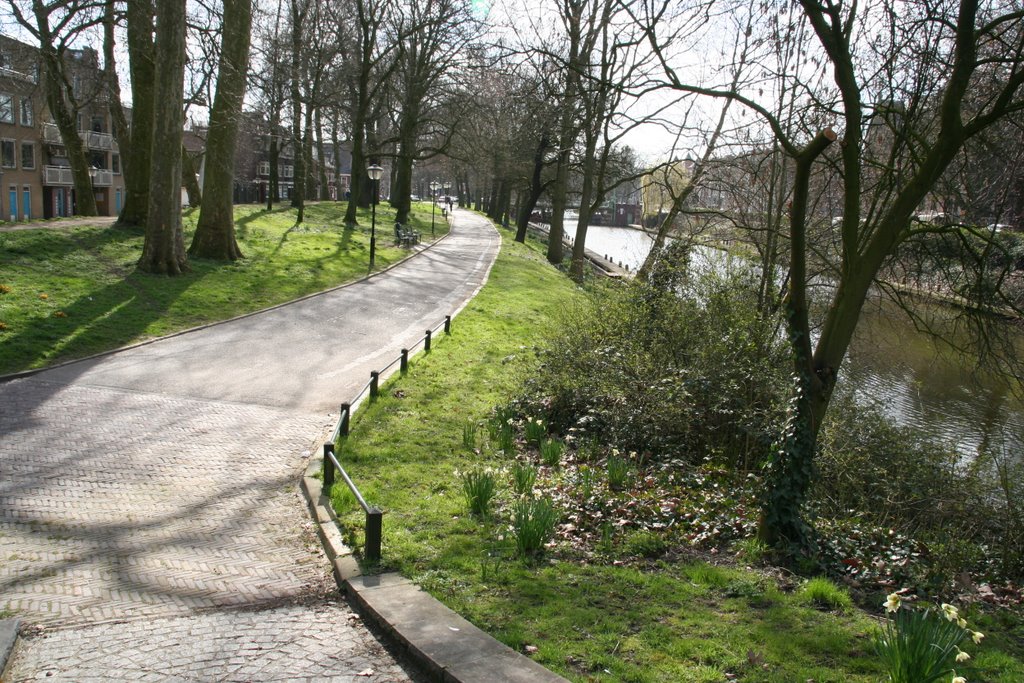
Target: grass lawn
<point>611,615</point>
<point>66,293</point>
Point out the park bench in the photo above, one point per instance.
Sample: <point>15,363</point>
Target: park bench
<point>405,237</point>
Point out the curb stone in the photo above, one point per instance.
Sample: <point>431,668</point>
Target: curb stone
<point>8,637</point>
<point>446,646</point>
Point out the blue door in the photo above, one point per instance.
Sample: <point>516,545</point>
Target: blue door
<point>58,201</point>
<point>26,204</point>
<point>12,203</point>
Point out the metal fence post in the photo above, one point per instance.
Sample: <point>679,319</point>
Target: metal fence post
<point>447,324</point>
<point>345,410</point>
<point>426,341</point>
<point>405,361</point>
<point>328,466</point>
<point>374,378</point>
<point>374,528</point>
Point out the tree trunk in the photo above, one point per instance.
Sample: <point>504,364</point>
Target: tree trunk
<point>63,108</point>
<point>535,191</point>
<point>189,178</point>
<point>137,156</point>
<point>215,232</point>
<point>791,473</point>
<point>164,248</point>
<point>299,175</point>
<point>119,127</point>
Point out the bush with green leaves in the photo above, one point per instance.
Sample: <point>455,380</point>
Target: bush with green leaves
<point>682,366</point>
<point>479,486</point>
<point>533,525</point>
<point>923,645</point>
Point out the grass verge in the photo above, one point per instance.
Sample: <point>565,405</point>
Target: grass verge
<point>71,292</point>
<point>654,616</point>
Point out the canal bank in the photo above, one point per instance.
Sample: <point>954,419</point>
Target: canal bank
<point>892,363</point>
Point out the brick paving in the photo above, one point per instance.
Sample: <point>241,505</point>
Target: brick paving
<point>151,526</point>
<point>148,505</point>
<point>324,642</point>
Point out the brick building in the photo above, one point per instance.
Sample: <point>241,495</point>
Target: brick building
<point>35,175</point>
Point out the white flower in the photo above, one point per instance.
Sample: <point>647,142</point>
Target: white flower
<point>958,679</point>
<point>977,637</point>
<point>892,603</point>
<point>961,656</point>
<point>961,622</point>
<point>950,611</point>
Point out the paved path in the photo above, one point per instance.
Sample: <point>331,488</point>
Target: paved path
<point>150,521</point>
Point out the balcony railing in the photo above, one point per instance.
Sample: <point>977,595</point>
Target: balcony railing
<point>61,175</point>
<point>57,175</point>
<point>92,140</point>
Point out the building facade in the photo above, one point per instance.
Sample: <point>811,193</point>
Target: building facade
<point>35,174</point>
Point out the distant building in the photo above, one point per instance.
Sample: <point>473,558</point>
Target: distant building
<point>35,175</point>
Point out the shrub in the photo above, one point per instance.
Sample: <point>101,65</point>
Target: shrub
<point>533,524</point>
<point>479,486</point>
<point>823,593</point>
<point>680,368</point>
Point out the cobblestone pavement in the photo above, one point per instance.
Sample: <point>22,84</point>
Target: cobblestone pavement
<point>147,505</point>
<point>151,526</point>
<point>325,642</point>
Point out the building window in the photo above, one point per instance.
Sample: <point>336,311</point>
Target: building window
<point>97,124</point>
<point>28,156</point>
<point>6,108</point>
<point>288,171</point>
<point>115,163</point>
<point>98,160</point>
<point>7,159</point>
<point>26,111</point>
<point>263,168</point>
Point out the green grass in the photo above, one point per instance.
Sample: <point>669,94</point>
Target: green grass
<point>647,620</point>
<point>72,292</point>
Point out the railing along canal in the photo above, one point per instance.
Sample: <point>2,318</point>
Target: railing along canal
<point>374,525</point>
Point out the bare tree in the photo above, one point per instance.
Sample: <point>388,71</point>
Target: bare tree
<point>164,248</point>
<point>56,26</point>
<point>215,232</point>
<point>909,86</point>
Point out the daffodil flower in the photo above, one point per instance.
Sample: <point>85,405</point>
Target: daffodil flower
<point>958,679</point>
<point>950,611</point>
<point>892,603</point>
<point>961,656</point>
<point>977,637</point>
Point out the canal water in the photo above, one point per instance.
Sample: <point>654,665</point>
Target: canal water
<point>914,380</point>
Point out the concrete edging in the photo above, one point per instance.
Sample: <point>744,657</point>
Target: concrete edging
<point>8,637</point>
<point>445,645</point>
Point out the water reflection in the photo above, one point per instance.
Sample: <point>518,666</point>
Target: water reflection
<point>915,381</point>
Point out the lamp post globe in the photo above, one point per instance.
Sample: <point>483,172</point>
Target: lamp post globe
<point>375,172</point>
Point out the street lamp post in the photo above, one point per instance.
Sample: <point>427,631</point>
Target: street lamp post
<point>447,187</point>
<point>374,172</point>
<point>434,186</point>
